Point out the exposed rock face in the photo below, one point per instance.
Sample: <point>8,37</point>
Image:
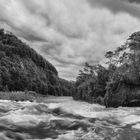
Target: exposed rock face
<point>124,93</point>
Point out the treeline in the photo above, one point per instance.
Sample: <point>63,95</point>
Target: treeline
<point>118,84</point>
<point>22,68</point>
<point>91,83</point>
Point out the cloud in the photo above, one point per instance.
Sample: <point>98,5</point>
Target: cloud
<point>135,1</point>
<point>67,32</point>
<point>118,6</point>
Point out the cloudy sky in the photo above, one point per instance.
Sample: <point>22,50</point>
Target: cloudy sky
<point>70,32</point>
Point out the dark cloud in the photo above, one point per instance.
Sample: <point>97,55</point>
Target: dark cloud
<point>24,32</point>
<point>135,1</point>
<point>118,6</point>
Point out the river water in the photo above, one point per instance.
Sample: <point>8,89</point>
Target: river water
<point>62,118</point>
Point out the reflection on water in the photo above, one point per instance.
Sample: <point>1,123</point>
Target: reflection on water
<point>62,118</point>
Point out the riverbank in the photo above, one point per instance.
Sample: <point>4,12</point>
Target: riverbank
<point>22,96</point>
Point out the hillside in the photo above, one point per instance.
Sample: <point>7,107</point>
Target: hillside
<point>22,68</point>
<point>117,85</point>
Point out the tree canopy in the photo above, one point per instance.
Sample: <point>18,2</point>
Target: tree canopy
<point>22,68</point>
<point>117,84</point>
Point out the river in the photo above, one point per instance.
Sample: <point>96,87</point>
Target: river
<point>62,118</point>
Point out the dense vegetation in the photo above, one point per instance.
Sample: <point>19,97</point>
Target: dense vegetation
<point>91,83</point>
<point>21,68</point>
<point>119,83</point>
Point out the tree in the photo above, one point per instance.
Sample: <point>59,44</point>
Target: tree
<point>22,68</point>
<point>109,55</point>
<point>85,74</point>
<point>6,89</point>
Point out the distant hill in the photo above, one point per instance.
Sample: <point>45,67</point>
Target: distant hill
<point>22,68</point>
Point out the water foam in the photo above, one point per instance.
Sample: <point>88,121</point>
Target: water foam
<point>67,118</point>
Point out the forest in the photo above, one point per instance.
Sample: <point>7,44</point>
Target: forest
<point>117,83</point>
<point>22,68</point>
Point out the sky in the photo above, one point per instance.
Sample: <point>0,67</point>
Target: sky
<point>69,33</point>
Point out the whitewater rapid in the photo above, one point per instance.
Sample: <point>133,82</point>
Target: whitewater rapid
<point>62,118</point>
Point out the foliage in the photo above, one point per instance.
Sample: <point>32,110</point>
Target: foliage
<point>22,68</point>
<point>119,83</point>
<point>127,74</point>
<point>91,82</point>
